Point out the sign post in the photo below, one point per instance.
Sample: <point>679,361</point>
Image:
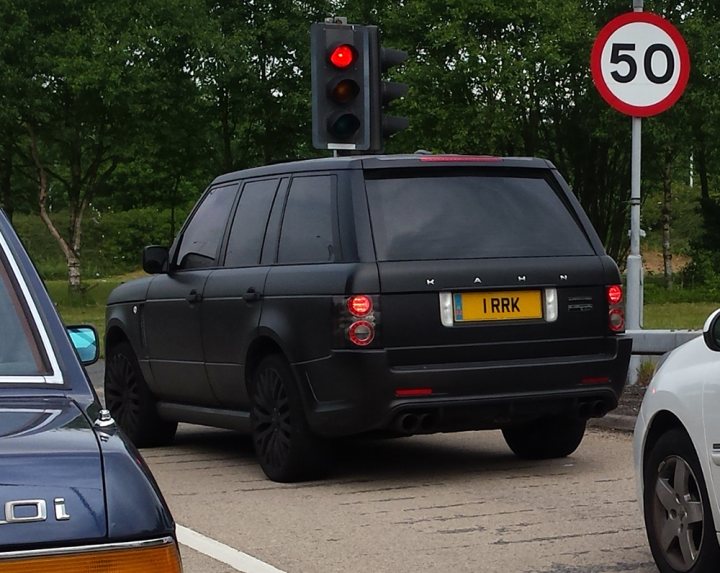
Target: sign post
<point>640,65</point>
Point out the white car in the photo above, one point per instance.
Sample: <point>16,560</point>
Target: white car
<point>677,456</point>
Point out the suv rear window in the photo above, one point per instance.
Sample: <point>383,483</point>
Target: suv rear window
<point>471,217</point>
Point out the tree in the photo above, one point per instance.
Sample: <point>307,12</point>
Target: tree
<point>256,78</point>
<point>513,78</point>
<point>90,73</point>
<point>14,46</point>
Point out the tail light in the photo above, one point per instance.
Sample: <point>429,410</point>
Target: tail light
<point>616,309</point>
<point>158,556</point>
<point>360,305</point>
<point>358,320</point>
<point>361,332</point>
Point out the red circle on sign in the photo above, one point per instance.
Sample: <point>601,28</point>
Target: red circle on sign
<point>596,64</point>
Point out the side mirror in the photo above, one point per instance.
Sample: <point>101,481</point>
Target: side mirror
<point>155,259</point>
<point>86,342</point>
<point>711,331</point>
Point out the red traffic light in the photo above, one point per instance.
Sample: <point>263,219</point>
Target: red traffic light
<point>343,56</point>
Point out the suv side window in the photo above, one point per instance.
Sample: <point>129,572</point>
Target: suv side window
<point>309,224</point>
<point>250,223</point>
<point>203,234</point>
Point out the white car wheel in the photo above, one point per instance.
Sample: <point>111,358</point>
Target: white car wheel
<point>678,517</point>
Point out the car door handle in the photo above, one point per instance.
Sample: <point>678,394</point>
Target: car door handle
<point>715,454</point>
<point>193,296</point>
<point>251,295</point>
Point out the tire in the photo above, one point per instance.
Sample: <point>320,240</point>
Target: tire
<point>286,448</point>
<point>131,402</point>
<point>678,516</point>
<point>555,437</point>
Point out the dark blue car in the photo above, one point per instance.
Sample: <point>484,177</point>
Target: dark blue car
<point>75,495</point>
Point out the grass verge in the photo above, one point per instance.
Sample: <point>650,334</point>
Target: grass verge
<point>677,315</point>
<point>87,307</point>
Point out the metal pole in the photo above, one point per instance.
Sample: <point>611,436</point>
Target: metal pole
<point>634,260</point>
<point>633,309</point>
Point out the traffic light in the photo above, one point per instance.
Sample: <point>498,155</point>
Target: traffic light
<point>341,106</point>
<point>382,94</point>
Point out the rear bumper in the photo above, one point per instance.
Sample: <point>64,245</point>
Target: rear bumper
<point>354,392</point>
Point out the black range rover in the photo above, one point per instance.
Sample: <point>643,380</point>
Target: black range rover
<point>389,294</point>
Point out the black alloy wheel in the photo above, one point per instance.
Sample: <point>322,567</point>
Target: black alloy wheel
<point>678,517</point>
<point>286,449</point>
<point>130,401</point>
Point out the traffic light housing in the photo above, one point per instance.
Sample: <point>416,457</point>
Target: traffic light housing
<point>349,97</point>
<point>382,93</point>
<point>341,99</point>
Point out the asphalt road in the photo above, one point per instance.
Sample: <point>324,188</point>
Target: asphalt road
<point>442,503</point>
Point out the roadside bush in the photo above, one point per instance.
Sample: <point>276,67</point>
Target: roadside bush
<point>112,242</point>
<point>115,240</point>
<point>703,270</point>
<point>683,291</point>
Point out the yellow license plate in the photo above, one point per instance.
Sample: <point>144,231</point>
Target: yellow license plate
<point>497,305</point>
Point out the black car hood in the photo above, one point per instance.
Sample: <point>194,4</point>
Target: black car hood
<point>51,480</point>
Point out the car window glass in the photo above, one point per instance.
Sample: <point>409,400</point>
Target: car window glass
<point>462,217</point>
<point>307,228</point>
<point>202,236</point>
<point>248,227</point>
<point>20,354</point>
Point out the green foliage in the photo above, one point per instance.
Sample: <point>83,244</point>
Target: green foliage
<point>704,270</point>
<point>113,241</point>
<point>683,291</point>
<point>645,372</point>
<point>137,106</point>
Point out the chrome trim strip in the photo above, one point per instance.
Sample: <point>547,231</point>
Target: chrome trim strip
<point>52,414</point>
<point>62,551</point>
<point>551,305</point>
<point>446,310</point>
<point>56,376</point>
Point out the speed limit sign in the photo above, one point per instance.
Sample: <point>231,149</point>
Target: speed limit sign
<point>640,64</point>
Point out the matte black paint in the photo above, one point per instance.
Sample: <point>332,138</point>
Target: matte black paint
<point>482,375</point>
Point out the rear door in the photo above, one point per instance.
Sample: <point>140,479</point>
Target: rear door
<point>233,296</point>
<point>309,270</point>
<point>485,264</point>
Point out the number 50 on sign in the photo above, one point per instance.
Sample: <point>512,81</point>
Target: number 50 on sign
<point>640,64</point>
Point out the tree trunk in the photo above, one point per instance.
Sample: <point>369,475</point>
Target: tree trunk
<point>173,200</point>
<point>224,105</point>
<point>71,256</point>
<point>73,265</point>
<point>666,219</point>
<point>702,171</point>
<point>6,179</point>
